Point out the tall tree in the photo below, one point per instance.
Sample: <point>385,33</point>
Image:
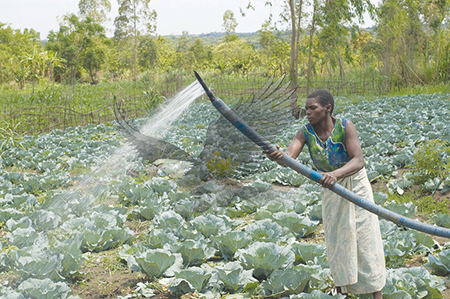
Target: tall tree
<point>201,53</point>
<point>275,51</point>
<point>293,15</point>
<point>229,22</point>
<point>95,9</point>
<point>401,34</point>
<point>134,20</point>
<point>435,53</point>
<point>310,46</point>
<point>336,19</point>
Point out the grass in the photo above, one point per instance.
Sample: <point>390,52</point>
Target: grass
<point>420,89</point>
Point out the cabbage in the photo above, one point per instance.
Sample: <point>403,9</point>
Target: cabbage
<point>229,242</point>
<point>441,264</point>
<point>415,282</point>
<point>234,277</point>
<point>297,224</point>
<point>158,262</point>
<point>267,230</point>
<point>264,258</point>
<point>285,282</point>
<point>193,252</point>
<point>193,279</point>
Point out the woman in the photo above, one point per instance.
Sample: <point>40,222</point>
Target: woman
<point>352,234</point>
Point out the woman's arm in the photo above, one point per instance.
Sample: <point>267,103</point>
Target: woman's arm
<point>356,162</point>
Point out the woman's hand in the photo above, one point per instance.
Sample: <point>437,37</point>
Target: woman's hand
<point>275,155</point>
<point>328,179</point>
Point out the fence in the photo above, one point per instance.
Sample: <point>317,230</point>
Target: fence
<point>44,118</point>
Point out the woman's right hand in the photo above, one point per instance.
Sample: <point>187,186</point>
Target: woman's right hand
<point>275,155</point>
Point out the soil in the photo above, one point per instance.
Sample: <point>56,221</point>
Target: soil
<point>105,279</point>
<point>106,276</point>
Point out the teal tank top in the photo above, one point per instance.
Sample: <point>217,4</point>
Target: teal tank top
<point>332,154</point>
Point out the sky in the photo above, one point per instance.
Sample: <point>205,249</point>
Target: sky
<point>174,16</point>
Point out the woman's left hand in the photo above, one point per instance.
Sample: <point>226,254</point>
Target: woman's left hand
<point>328,180</point>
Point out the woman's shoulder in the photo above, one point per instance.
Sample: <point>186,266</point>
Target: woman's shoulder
<point>343,120</point>
<point>307,128</point>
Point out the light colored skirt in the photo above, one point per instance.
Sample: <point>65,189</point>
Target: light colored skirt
<point>353,239</point>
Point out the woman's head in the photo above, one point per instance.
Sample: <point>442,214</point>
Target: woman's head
<point>323,97</point>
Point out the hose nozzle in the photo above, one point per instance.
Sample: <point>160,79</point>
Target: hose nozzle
<point>209,93</point>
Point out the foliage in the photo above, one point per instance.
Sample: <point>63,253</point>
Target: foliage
<point>95,9</point>
<point>432,161</point>
<point>441,264</point>
<point>428,206</point>
<point>407,45</point>
<point>220,167</point>
<point>78,42</point>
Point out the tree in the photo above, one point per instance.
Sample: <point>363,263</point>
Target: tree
<point>435,52</point>
<point>294,14</point>
<point>35,64</point>
<point>135,19</point>
<point>401,36</point>
<point>238,54</point>
<point>229,22</point>
<point>336,19</point>
<point>94,56</point>
<point>148,52</point>
<point>310,46</point>
<point>97,10</point>
<point>73,40</point>
<point>275,52</point>
<point>201,53</point>
<point>16,49</point>
<point>185,58</point>
<point>53,61</point>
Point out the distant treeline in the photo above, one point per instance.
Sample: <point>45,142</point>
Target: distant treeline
<point>408,45</point>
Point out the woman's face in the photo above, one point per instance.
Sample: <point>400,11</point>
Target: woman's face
<point>315,112</point>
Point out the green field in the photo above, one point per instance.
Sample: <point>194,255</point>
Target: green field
<point>83,216</point>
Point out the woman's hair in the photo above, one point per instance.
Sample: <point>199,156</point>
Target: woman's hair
<point>324,97</point>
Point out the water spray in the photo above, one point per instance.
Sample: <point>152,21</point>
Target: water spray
<point>316,176</point>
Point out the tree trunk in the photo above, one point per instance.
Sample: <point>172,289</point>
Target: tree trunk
<point>135,59</point>
<point>341,66</point>
<point>135,29</point>
<point>294,59</point>
<point>311,34</point>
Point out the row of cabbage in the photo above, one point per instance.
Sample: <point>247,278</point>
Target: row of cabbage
<point>211,240</point>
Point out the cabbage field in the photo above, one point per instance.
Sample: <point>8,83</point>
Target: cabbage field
<point>67,194</point>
